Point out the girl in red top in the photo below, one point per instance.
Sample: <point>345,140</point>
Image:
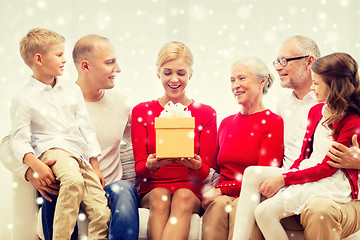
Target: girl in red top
<point>335,82</point>
<point>171,188</point>
<point>251,137</point>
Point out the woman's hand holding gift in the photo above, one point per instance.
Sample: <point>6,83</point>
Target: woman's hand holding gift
<point>154,163</point>
<point>192,163</point>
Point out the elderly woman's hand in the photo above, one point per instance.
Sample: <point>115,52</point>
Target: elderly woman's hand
<point>192,163</point>
<point>209,196</point>
<point>344,157</point>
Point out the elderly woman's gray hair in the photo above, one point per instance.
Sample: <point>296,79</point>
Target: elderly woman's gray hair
<point>259,69</point>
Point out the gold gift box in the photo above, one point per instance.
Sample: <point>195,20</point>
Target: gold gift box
<point>174,137</point>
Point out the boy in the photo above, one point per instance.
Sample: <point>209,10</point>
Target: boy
<point>50,122</point>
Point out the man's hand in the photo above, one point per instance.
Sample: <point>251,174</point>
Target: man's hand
<point>101,177</point>
<point>344,157</point>
<point>209,196</point>
<point>52,188</point>
<point>271,186</point>
<point>192,163</point>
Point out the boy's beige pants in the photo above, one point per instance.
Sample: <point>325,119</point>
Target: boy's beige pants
<point>79,184</point>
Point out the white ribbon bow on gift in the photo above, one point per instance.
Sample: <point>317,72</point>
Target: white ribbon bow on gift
<point>177,110</point>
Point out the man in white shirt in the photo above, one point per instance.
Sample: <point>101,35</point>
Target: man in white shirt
<point>322,218</point>
<point>97,67</point>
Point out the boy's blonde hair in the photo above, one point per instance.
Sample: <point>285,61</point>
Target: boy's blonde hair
<point>38,40</point>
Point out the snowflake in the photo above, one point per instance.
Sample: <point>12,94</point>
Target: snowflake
<point>81,217</point>
<point>344,3</point>
<point>173,220</point>
<point>200,128</point>
<point>60,21</point>
<point>228,208</point>
<point>244,12</point>
<point>116,188</point>
<point>160,20</point>
<point>39,200</point>
<point>139,119</point>
<point>29,11</point>
<point>255,197</point>
<point>322,16</point>
<point>150,112</point>
<point>238,176</point>
<point>41,4</point>
<point>191,134</point>
<point>164,198</point>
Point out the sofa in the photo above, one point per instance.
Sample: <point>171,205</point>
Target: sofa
<point>27,215</point>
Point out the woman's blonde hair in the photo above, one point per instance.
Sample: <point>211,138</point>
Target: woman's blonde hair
<point>173,51</point>
<point>38,40</point>
<point>259,69</point>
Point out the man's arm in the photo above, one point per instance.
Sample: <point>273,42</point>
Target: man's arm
<point>52,188</point>
<point>23,171</point>
<point>345,157</point>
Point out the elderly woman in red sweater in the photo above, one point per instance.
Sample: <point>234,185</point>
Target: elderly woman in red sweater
<point>336,83</point>
<point>254,136</point>
<point>171,188</point>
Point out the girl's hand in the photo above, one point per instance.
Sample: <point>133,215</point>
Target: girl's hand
<point>153,163</point>
<point>209,196</point>
<point>194,163</point>
<point>271,186</point>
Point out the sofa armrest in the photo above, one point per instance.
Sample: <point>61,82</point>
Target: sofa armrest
<point>25,210</point>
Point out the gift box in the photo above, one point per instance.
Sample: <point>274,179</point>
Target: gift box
<point>174,137</point>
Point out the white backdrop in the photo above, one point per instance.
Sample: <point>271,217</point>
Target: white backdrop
<point>216,31</point>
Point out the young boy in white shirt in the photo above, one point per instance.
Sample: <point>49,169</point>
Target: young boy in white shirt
<point>50,122</point>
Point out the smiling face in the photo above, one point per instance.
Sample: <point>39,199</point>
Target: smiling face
<point>53,61</point>
<point>320,88</point>
<point>246,87</point>
<point>103,65</point>
<point>174,76</point>
<point>294,73</point>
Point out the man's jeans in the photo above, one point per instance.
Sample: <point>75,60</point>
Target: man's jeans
<point>123,200</point>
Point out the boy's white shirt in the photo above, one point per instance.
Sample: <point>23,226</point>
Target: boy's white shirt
<point>44,117</point>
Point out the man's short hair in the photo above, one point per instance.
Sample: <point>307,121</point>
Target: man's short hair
<point>84,47</point>
<point>38,40</point>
